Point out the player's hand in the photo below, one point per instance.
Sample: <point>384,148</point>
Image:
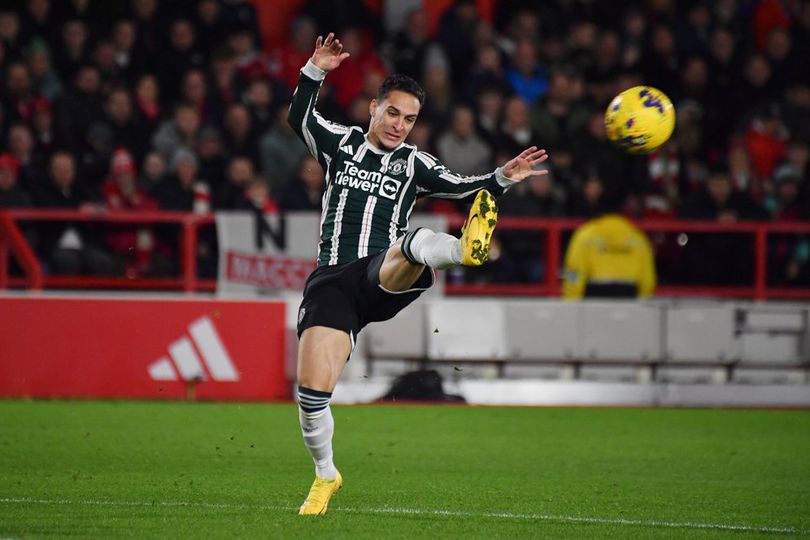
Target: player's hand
<point>522,166</point>
<point>328,52</point>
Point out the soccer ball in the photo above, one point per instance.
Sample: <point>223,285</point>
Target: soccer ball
<point>640,119</point>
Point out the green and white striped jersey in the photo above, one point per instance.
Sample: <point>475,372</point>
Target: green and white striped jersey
<point>370,192</point>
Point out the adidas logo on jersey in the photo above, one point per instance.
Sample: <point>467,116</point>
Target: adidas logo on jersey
<point>347,149</point>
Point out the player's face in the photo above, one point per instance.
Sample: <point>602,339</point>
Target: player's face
<point>392,119</point>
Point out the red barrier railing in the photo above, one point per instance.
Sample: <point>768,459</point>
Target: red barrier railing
<point>553,228</point>
<point>189,224</point>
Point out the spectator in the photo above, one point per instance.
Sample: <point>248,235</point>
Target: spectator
<point>766,139</point>
<point>515,129</point>
<point>281,152</point>
<point>437,82</point>
<point>210,22</point>
<point>29,166</point>
<point>194,92</point>
<point>348,84</point>
<point>456,36</point>
<point>153,173</point>
<point>605,67</point>
<point>408,48</point>
<point>710,257</point>
<point>129,60</point>
<point>39,22</point>
<point>460,148</point>
<point>104,59</point>
<point>258,198</point>
<point>522,260</point>
<point>81,107</point>
<point>73,52</point>
<point>43,129</point>
<point>181,132</point>
<point>305,190</point>
<point>788,254</point>
<point>226,80</point>
<point>561,115</point>
<point>797,110</point>
<point>660,63</point>
<point>212,158</point>
<point>127,131</point>
<point>693,33</point>
<point>147,102</point>
<point>149,29</point>
<point>10,35</point>
<point>489,104</point>
<point>69,248</point>
<point>588,202</point>
<point>232,194</point>
<point>756,89</point>
<point>184,190</point>
<point>18,92</point>
<point>250,61</point>
<point>45,80</point>
<point>487,72</point>
<point>239,135</point>
<point>526,75</point>
<point>180,56</point>
<point>132,245</point>
<point>259,100</point>
<point>287,60</point>
<point>11,194</point>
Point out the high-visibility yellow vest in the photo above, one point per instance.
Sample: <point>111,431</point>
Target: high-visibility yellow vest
<point>608,254</point>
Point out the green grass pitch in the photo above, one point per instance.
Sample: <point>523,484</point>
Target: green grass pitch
<point>195,470</point>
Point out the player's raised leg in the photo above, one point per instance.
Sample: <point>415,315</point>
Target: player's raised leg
<point>422,247</point>
<point>322,354</point>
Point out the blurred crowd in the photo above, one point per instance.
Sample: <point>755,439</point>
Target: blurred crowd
<point>147,105</point>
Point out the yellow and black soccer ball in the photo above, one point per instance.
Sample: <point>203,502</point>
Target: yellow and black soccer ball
<point>640,119</point>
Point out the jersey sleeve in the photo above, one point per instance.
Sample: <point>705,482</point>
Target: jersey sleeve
<point>434,179</point>
<point>575,268</point>
<point>321,136</point>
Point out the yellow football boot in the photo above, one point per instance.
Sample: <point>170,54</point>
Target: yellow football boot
<point>319,495</point>
<point>477,231</point>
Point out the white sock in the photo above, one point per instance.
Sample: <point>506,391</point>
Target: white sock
<point>435,249</point>
<point>317,427</point>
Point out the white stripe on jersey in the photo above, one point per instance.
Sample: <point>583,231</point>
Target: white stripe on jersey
<point>308,138</point>
<point>425,161</point>
<point>333,253</point>
<point>426,158</point>
<point>328,161</point>
<point>458,179</point>
<point>361,151</point>
<point>392,226</point>
<point>337,129</point>
<point>454,195</point>
<point>324,202</point>
<point>365,230</point>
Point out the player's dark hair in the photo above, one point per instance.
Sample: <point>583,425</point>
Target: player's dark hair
<point>403,83</point>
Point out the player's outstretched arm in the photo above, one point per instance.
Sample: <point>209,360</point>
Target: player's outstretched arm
<point>522,165</point>
<point>328,53</point>
<point>320,135</point>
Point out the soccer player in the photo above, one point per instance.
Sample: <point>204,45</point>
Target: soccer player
<point>369,266</point>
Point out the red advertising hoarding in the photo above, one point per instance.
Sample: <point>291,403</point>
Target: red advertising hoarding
<point>142,348</point>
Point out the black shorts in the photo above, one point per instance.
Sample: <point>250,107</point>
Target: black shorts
<point>349,296</point>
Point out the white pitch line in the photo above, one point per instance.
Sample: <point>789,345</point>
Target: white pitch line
<point>420,512</point>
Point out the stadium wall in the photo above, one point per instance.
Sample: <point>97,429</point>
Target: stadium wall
<point>142,347</point>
